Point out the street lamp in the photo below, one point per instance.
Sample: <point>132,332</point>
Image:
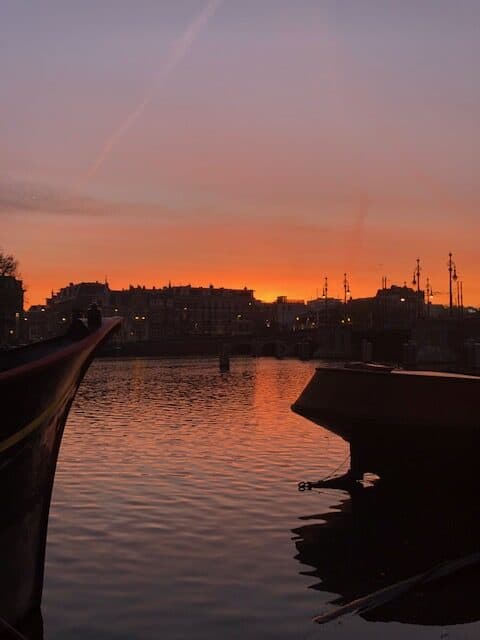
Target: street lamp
<point>416,275</point>
<point>416,281</point>
<point>452,277</point>
<point>325,296</point>
<point>346,293</point>
<point>429,292</point>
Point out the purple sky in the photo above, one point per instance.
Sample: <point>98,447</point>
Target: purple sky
<point>286,141</point>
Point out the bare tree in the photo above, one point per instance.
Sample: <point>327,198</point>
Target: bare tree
<point>8,265</point>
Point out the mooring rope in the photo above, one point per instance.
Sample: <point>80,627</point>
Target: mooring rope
<point>12,632</point>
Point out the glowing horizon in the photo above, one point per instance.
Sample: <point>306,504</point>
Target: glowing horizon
<point>37,292</point>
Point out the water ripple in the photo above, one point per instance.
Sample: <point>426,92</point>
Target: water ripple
<point>174,501</point>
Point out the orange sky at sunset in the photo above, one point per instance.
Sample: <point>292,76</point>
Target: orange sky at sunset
<point>261,144</point>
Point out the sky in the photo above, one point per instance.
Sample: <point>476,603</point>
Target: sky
<point>259,143</point>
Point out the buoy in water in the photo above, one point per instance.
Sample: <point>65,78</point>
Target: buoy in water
<point>224,359</point>
<point>224,362</point>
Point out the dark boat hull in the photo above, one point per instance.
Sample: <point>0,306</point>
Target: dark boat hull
<point>35,398</point>
<point>400,425</point>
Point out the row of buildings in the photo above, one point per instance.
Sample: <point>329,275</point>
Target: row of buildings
<point>158,313</point>
<point>152,314</point>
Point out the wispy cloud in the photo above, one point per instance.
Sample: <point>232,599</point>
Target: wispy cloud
<point>23,197</point>
<point>35,199</point>
<point>19,197</point>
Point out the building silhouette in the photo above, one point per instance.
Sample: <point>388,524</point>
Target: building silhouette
<point>151,314</point>
<point>11,309</point>
<point>396,307</point>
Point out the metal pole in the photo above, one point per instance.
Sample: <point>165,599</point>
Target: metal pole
<point>428,297</point>
<point>418,287</point>
<point>346,295</point>
<point>455,281</point>
<point>450,269</point>
<point>326,299</point>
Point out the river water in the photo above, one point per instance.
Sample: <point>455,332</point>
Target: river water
<point>176,514</point>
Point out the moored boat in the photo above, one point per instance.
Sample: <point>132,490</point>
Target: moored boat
<point>38,383</point>
<point>400,424</point>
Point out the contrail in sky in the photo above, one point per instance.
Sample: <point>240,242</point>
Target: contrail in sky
<point>178,51</point>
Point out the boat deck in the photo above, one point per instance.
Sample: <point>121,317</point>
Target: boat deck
<point>380,369</point>
<point>18,356</point>
<point>36,352</point>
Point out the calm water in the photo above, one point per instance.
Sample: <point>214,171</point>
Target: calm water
<point>174,504</point>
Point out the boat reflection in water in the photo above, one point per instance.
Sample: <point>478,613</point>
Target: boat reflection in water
<point>37,387</point>
<point>381,537</point>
